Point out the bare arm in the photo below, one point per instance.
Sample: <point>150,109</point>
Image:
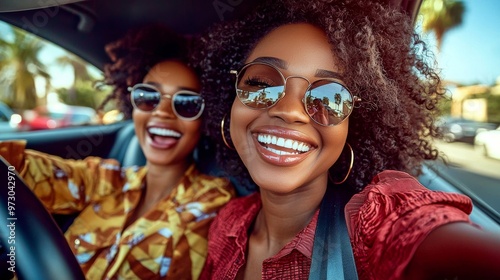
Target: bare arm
<point>457,251</point>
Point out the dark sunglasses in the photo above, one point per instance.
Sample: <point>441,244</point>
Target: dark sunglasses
<point>260,86</point>
<point>186,105</point>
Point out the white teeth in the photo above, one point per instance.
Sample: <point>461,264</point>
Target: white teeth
<point>300,147</point>
<point>164,132</point>
<point>281,142</point>
<point>281,153</point>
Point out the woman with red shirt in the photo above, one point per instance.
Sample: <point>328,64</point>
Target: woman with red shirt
<point>365,57</point>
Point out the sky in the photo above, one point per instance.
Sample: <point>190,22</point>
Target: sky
<point>470,53</point>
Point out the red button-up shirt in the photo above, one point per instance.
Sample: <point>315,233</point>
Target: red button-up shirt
<point>386,221</point>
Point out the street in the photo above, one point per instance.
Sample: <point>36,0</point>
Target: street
<point>474,171</point>
<point>463,155</point>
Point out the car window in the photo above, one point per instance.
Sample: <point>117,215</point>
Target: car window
<point>464,38</point>
<point>50,77</point>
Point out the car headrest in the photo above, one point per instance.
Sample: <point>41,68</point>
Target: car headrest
<point>126,148</point>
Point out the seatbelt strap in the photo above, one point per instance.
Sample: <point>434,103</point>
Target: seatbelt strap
<point>332,252</point>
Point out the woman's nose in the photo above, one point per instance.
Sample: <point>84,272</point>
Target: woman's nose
<point>290,108</point>
<point>164,108</point>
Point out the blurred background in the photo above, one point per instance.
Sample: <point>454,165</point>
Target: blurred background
<point>465,38</point>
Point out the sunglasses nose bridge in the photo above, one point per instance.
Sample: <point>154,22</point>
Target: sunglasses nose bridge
<point>298,77</point>
<point>165,96</point>
<point>165,106</point>
<point>289,107</point>
<point>302,90</point>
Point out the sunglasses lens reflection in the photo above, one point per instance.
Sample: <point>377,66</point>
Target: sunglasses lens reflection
<point>261,86</point>
<point>188,105</point>
<point>145,98</point>
<point>328,102</point>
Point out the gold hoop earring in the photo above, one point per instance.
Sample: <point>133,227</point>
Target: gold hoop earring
<point>223,134</point>
<point>348,171</point>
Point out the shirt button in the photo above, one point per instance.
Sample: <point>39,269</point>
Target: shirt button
<point>77,243</point>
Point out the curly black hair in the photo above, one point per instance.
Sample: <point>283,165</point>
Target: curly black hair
<point>385,62</point>
<point>135,54</point>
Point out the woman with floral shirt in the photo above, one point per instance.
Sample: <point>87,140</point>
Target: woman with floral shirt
<point>147,222</point>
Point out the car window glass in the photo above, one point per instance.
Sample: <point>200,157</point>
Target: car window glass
<point>464,38</point>
<point>52,77</point>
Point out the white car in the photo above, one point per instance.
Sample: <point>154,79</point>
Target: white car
<point>489,143</point>
<point>9,120</point>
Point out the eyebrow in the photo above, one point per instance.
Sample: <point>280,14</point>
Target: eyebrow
<point>280,63</point>
<point>321,73</point>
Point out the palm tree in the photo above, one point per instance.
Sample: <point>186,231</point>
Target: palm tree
<point>439,16</point>
<point>81,77</point>
<point>19,62</point>
<point>80,71</point>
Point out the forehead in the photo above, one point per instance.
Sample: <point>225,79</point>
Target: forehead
<point>173,74</point>
<point>302,46</point>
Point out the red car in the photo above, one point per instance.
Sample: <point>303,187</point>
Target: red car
<point>59,115</point>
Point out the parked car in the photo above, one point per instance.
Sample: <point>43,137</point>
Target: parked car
<point>59,115</point>
<point>488,142</point>
<point>460,129</point>
<point>9,120</point>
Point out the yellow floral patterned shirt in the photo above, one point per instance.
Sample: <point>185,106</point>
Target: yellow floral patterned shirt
<point>169,241</point>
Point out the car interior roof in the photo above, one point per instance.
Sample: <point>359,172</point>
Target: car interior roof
<point>72,22</point>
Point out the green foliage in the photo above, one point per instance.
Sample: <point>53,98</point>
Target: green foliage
<point>19,65</point>
<point>439,16</point>
<point>445,106</point>
<point>80,70</point>
<point>492,106</point>
<point>83,93</point>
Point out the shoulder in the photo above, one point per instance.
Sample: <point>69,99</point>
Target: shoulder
<point>395,189</point>
<point>238,214</point>
<point>392,194</point>
<point>393,214</point>
<point>204,187</point>
<point>241,207</point>
<point>228,234</point>
<point>201,193</point>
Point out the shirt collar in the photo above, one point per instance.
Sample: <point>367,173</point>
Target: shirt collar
<point>302,242</point>
<point>253,204</point>
<point>135,176</point>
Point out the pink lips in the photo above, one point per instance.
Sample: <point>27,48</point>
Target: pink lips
<point>288,156</point>
<point>161,137</point>
<point>283,160</point>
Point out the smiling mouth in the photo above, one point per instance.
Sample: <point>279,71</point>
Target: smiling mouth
<point>282,146</point>
<point>163,132</point>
